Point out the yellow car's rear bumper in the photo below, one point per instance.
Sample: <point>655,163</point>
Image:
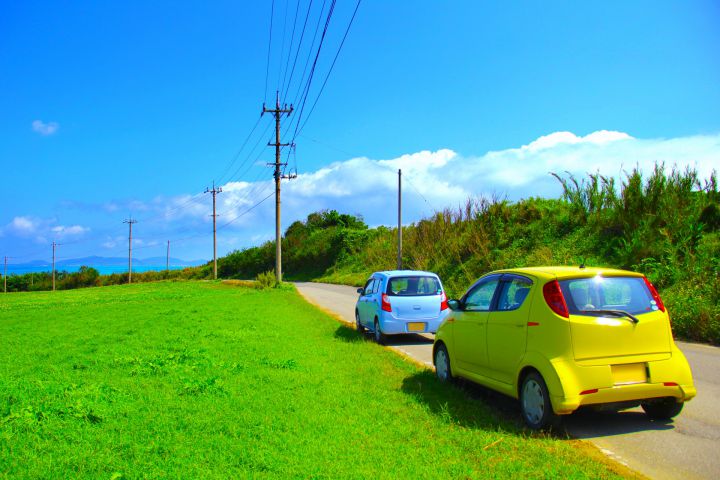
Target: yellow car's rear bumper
<point>623,393</point>
<point>592,385</point>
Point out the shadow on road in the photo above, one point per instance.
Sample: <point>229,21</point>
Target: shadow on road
<point>407,339</point>
<point>586,423</point>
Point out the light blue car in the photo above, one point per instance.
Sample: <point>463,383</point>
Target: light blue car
<point>401,301</point>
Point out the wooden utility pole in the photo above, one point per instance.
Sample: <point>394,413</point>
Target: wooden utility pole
<point>5,277</point>
<point>53,266</point>
<point>167,258</point>
<point>130,223</point>
<point>277,112</point>
<point>399,248</point>
<point>214,192</point>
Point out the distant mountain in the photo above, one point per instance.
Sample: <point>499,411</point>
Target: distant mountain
<point>95,261</point>
<point>173,261</point>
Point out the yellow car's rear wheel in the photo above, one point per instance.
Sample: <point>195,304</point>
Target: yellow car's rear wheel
<point>535,403</point>
<point>662,408</point>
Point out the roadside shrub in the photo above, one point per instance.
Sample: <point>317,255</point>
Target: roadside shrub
<point>266,280</point>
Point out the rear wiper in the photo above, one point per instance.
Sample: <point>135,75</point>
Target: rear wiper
<point>617,313</point>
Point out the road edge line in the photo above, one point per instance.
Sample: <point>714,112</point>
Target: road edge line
<point>340,319</point>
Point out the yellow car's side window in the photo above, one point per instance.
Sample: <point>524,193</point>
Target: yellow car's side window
<point>480,298</point>
<point>513,294</point>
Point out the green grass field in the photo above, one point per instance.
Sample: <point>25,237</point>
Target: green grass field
<point>205,380</point>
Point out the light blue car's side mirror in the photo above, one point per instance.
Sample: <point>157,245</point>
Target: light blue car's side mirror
<point>361,291</point>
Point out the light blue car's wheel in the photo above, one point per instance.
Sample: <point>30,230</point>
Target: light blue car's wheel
<point>379,336</point>
<point>358,325</point>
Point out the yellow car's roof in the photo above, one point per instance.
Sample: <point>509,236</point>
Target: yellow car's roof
<point>570,272</point>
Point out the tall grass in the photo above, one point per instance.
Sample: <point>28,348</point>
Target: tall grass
<point>666,225</point>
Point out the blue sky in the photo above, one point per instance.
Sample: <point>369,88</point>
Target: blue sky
<point>134,108</point>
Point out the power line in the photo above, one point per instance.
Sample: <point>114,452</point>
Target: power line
<point>254,186</point>
<point>347,30</point>
<point>307,60</point>
<point>297,52</point>
<point>282,46</point>
<point>237,155</point>
<point>267,67</point>
<point>306,91</point>
<point>351,155</point>
<point>246,211</point>
<point>292,40</point>
<point>257,144</point>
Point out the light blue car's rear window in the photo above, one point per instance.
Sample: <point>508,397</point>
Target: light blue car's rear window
<point>413,286</point>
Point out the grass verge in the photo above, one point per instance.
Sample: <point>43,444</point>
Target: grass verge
<point>206,380</point>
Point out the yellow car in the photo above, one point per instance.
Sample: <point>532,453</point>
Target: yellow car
<point>558,338</point>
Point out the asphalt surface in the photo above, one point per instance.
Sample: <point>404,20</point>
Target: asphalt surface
<point>686,448</point>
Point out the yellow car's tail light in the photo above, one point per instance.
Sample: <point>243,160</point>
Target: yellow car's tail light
<point>555,299</point>
<point>655,294</point>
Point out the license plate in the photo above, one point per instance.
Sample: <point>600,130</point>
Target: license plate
<point>629,374</point>
<point>416,327</point>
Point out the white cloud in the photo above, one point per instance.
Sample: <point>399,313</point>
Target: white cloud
<point>41,229</point>
<point>23,225</point>
<point>432,180</point>
<point>568,138</point>
<point>524,172</point>
<point>62,231</point>
<point>45,129</point>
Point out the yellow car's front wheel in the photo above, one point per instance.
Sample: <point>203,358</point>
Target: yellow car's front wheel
<point>442,364</point>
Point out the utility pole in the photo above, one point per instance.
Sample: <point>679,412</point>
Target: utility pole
<point>277,112</point>
<point>167,258</point>
<point>5,277</point>
<point>53,266</point>
<point>399,248</point>
<point>130,223</point>
<point>214,192</point>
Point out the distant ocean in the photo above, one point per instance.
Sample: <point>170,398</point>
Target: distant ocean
<point>104,269</point>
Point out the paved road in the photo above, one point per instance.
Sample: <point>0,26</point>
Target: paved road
<point>687,448</point>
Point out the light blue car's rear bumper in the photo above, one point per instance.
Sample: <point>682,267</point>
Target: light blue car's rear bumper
<point>390,325</point>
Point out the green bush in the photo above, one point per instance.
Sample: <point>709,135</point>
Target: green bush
<point>266,280</point>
